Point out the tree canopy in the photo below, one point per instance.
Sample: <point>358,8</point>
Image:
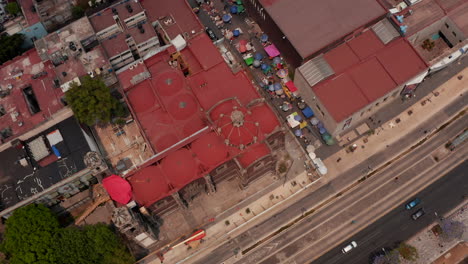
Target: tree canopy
<point>13,8</point>
<point>407,252</point>
<point>92,102</point>
<point>10,47</point>
<point>29,235</point>
<point>33,235</point>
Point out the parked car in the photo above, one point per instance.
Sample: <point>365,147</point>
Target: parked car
<point>412,204</point>
<point>349,247</point>
<point>418,214</point>
<point>211,34</point>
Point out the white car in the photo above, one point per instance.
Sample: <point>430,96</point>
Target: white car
<point>349,247</point>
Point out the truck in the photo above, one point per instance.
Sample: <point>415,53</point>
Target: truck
<point>460,139</point>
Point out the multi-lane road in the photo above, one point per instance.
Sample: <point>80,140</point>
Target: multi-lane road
<point>440,197</point>
<point>308,239</point>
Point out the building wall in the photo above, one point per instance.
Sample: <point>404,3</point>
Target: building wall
<point>258,13</point>
<point>224,172</point>
<point>258,169</point>
<point>452,32</point>
<point>337,128</point>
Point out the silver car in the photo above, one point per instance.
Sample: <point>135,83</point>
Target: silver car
<point>349,247</point>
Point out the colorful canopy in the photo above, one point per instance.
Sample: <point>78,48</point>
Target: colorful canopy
<point>291,86</point>
<point>258,56</point>
<point>226,18</point>
<point>264,38</point>
<point>272,51</point>
<point>118,188</point>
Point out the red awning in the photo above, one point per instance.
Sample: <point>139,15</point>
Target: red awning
<point>119,189</point>
<point>291,86</point>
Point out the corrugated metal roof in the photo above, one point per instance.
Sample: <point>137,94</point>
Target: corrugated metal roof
<point>316,70</point>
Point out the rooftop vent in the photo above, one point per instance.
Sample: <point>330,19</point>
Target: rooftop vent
<point>114,11</point>
<point>129,8</point>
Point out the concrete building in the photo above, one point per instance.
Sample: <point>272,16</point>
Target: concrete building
<point>75,52</point>
<point>124,32</point>
<point>53,13</point>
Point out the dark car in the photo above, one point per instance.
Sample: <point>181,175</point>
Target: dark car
<point>211,34</point>
<point>418,214</point>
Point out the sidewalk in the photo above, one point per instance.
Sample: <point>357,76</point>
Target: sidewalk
<point>390,132</point>
<point>432,249</point>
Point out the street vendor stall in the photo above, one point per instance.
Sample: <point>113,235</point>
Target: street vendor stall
<point>272,51</point>
<point>292,88</point>
<point>248,58</point>
<point>292,120</point>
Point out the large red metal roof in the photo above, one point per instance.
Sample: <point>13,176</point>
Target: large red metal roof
<point>180,168</point>
<point>366,70</point>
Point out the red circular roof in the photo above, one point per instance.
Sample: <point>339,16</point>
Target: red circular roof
<point>142,98</point>
<point>183,106</point>
<point>238,135</point>
<point>210,149</point>
<point>193,125</point>
<point>169,83</point>
<point>149,185</point>
<point>180,168</point>
<point>265,117</point>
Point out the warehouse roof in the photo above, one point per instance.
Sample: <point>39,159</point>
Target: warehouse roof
<point>311,25</point>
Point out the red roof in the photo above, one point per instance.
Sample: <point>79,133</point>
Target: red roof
<point>401,61</point>
<point>202,47</point>
<point>118,188</point>
<point>180,168</point>
<point>266,118</point>
<point>341,58</point>
<point>366,44</point>
<point>253,154</point>
<point>48,97</point>
<point>341,96</point>
<point>365,71</point>
<point>372,79</point>
<point>210,149</point>
<point>31,17</point>
<point>130,77</point>
<point>116,45</point>
<point>102,19</point>
<point>149,185</point>
<point>176,17</point>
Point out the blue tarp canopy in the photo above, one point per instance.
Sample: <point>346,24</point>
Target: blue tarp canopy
<point>308,112</point>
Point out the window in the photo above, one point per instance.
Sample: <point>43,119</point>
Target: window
<point>320,109</point>
<point>221,168</point>
<point>258,165</point>
<point>385,99</point>
<point>362,113</point>
<point>454,34</point>
<point>446,25</point>
<point>377,104</point>
<point>395,94</point>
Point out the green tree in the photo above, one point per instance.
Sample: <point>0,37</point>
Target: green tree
<point>29,235</point>
<point>72,243</point>
<point>107,245</point>
<point>92,102</point>
<point>13,8</point>
<point>33,235</point>
<point>407,252</point>
<point>10,47</point>
<point>77,12</point>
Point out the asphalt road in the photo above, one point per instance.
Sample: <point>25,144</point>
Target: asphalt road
<point>251,236</point>
<point>440,197</point>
